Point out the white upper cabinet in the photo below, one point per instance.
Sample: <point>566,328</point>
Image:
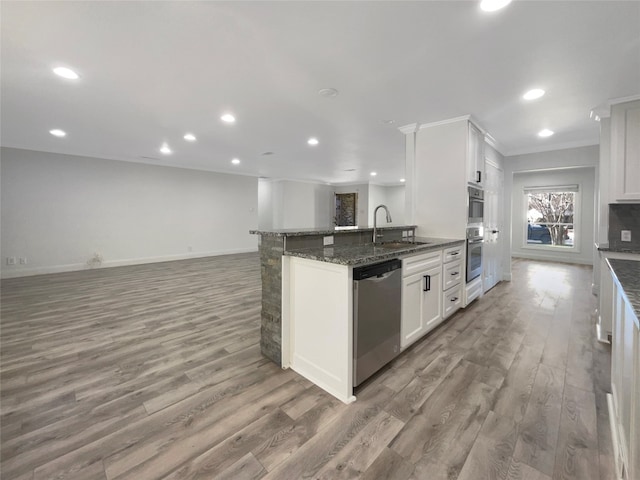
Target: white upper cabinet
<point>443,159</point>
<point>625,151</point>
<point>475,156</point>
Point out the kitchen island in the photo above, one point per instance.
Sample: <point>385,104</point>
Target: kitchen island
<point>307,293</point>
<point>272,246</point>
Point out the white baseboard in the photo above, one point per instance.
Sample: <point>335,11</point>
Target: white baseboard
<point>74,267</point>
<point>552,258</point>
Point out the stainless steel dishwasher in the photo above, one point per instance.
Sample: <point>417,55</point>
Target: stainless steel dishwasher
<point>376,317</point>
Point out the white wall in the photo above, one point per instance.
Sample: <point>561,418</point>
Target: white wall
<point>377,196</point>
<point>58,210</point>
<point>555,160</point>
<point>291,204</point>
<point>585,179</point>
<point>265,204</point>
<point>395,202</point>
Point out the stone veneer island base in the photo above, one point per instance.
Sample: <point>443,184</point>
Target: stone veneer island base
<point>273,244</point>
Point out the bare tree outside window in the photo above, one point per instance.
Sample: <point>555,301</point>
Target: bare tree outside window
<point>550,218</point>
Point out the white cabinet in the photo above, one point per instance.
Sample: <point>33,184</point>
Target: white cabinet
<point>475,156</point>
<point>624,401</point>
<point>452,280</point>
<point>451,274</point>
<point>421,296</point>
<point>606,293</point>
<point>625,151</point>
<point>448,156</point>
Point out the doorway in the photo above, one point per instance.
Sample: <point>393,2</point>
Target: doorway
<point>346,208</point>
<point>493,224</point>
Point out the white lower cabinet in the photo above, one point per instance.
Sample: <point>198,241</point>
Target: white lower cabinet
<point>624,401</point>
<point>452,281</point>
<point>421,296</point>
<point>452,301</point>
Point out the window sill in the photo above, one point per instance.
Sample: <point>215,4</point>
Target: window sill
<point>550,248</point>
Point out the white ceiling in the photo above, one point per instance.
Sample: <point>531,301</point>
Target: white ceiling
<point>152,71</point>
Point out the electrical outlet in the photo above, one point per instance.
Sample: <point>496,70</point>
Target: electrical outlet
<point>23,260</point>
<point>11,260</point>
<point>625,235</point>
<point>328,240</point>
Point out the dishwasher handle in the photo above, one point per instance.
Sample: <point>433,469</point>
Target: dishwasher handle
<point>380,277</point>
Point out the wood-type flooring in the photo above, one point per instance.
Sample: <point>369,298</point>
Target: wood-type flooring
<point>154,371</point>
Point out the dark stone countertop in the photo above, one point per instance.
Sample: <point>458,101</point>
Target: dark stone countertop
<point>627,273</point>
<point>604,247</point>
<point>369,253</point>
<point>296,232</point>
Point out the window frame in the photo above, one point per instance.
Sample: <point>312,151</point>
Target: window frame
<point>577,209</point>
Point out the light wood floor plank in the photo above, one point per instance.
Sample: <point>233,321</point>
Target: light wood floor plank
<point>154,371</point>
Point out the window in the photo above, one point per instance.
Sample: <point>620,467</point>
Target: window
<point>551,216</point>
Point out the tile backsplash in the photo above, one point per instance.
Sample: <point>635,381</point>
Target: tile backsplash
<point>624,216</point>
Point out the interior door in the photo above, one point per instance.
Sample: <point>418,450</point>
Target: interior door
<point>493,214</point>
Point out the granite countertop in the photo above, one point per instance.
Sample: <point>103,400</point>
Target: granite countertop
<point>368,253</point>
<point>627,273</point>
<point>329,230</point>
<point>604,247</point>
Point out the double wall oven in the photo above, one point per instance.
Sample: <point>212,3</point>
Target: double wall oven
<point>475,233</point>
<point>475,241</point>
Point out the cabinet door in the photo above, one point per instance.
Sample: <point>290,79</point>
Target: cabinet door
<point>634,461</point>
<point>421,304</point>
<point>412,325</point>
<point>625,150</point>
<point>475,156</point>
<point>432,298</point>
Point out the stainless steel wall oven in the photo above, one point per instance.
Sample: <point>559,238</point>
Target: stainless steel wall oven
<point>475,241</point>
<point>476,206</point>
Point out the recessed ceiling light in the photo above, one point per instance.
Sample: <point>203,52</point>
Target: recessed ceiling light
<point>313,141</point>
<point>189,137</point>
<point>235,161</point>
<point>328,92</point>
<point>373,174</point>
<point>545,133</point>
<point>56,132</point>
<point>402,180</point>
<point>228,118</point>
<point>493,5</point>
<point>65,72</point>
<point>388,122</point>
<point>165,149</point>
<point>533,94</point>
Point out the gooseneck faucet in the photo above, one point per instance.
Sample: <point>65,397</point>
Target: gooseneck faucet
<point>375,222</point>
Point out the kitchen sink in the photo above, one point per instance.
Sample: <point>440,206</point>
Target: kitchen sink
<point>400,244</point>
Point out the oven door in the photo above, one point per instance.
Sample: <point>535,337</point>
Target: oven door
<point>476,211</point>
<point>474,258</point>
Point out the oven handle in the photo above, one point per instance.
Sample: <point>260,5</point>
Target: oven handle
<point>481,240</point>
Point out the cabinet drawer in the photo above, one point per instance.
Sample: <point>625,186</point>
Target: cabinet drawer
<point>452,301</point>
<point>451,274</point>
<point>453,253</point>
<point>419,263</point>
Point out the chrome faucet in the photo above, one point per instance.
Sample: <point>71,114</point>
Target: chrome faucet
<point>375,222</point>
